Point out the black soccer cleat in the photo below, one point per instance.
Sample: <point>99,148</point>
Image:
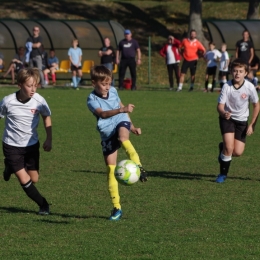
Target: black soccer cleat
<point>7,171</point>
<point>143,174</point>
<point>44,210</point>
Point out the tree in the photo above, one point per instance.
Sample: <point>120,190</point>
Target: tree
<point>196,21</point>
<point>253,10</point>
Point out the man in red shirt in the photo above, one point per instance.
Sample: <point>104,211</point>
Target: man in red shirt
<point>189,49</point>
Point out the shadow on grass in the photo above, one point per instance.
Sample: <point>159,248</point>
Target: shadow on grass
<point>21,210</point>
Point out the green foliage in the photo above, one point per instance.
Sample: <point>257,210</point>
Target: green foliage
<point>180,213</point>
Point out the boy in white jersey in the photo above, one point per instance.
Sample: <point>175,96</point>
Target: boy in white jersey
<point>113,124</point>
<point>233,109</point>
<point>223,65</point>
<point>22,111</point>
<point>211,56</point>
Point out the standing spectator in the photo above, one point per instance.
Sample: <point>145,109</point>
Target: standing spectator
<point>189,49</point>
<point>107,55</point>
<point>36,52</point>
<point>211,57</point>
<point>75,56</point>
<point>170,51</point>
<point>18,63</point>
<point>223,65</point>
<point>52,66</point>
<point>245,48</point>
<point>128,48</point>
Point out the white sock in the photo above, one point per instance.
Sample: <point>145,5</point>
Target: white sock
<point>180,85</point>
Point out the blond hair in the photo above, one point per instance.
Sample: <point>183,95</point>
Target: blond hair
<point>25,74</point>
<point>100,72</point>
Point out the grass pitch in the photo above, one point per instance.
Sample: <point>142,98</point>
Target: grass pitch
<point>180,213</point>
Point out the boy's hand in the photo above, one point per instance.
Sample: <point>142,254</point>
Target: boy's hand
<point>226,115</point>
<point>47,145</point>
<point>136,131</point>
<point>250,130</point>
<point>127,109</point>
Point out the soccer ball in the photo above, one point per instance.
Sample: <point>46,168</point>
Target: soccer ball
<point>209,86</point>
<point>127,172</point>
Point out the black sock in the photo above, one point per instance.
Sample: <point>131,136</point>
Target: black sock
<point>206,84</point>
<point>213,85</point>
<point>224,167</point>
<point>32,192</point>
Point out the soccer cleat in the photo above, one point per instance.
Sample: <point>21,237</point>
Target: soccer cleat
<point>221,178</point>
<point>7,171</point>
<point>190,89</point>
<point>44,210</point>
<point>143,174</point>
<point>116,214</point>
<point>178,89</point>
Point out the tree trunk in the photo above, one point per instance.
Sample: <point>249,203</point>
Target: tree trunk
<point>253,10</point>
<point>195,20</point>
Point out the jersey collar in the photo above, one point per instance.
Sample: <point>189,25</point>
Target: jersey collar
<point>239,86</point>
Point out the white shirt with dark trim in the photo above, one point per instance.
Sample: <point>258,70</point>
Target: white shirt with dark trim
<point>212,57</point>
<point>22,119</point>
<point>223,61</point>
<point>237,100</point>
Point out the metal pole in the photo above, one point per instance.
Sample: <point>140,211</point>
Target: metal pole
<point>149,60</point>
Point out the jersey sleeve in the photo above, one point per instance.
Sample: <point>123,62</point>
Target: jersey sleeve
<point>3,109</point>
<point>223,94</point>
<point>45,110</point>
<point>92,103</point>
<point>218,54</point>
<point>226,56</point>
<point>200,46</point>
<point>253,95</point>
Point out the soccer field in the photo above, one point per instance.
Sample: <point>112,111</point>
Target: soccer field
<point>180,213</point>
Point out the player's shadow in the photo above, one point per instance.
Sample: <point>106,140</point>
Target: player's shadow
<point>25,211</point>
<point>191,176</point>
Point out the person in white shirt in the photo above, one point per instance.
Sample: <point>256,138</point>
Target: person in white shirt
<point>22,111</point>
<point>223,65</point>
<point>233,109</point>
<point>212,56</point>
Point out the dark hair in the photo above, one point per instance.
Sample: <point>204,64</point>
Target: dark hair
<point>100,72</point>
<point>212,43</point>
<point>52,49</point>
<point>239,63</point>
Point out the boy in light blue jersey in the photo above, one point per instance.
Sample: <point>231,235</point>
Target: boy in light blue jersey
<point>75,56</point>
<point>113,124</point>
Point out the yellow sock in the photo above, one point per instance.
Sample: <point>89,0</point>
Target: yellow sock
<point>113,186</point>
<point>131,152</point>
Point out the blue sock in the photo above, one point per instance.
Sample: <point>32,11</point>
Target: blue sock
<point>78,80</point>
<point>74,80</point>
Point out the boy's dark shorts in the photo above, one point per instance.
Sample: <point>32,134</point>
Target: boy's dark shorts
<point>234,126</point>
<point>192,65</point>
<point>211,71</point>
<point>74,68</point>
<point>112,144</point>
<point>22,157</point>
<point>223,73</point>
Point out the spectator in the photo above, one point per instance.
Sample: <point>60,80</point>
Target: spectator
<point>75,56</point>
<point>18,63</point>
<point>52,66</point>
<point>189,49</point>
<point>170,51</point>
<point>1,61</point>
<point>107,55</point>
<point>36,53</point>
<point>223,65</point>
<point>245,48</point>
<point>211,56</point>
<point>127,49</point>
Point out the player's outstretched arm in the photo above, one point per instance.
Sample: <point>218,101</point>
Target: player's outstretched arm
<point>251,126</point>
<point>47,145</point>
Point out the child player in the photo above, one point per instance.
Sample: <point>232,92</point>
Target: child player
<point>223,65</point>
<point>113,124</point>
<point>233,109</point>
<point>22,111</point>
<point>211,56</point>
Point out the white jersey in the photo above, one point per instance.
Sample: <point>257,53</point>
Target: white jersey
<point>237,100</point>
<point>170,55</point>
<point>22,119</point>
<point>211,57</point>
<point>223,61</point>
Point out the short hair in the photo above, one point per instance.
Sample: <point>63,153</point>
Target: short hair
<point>239,63</point>
<point>25,74</point>
<point>224,44</point>
<point>192,30</point>
<point>100,72</point>
<point>211,43</point>
<point>245,32</point>
<point>52,49</point>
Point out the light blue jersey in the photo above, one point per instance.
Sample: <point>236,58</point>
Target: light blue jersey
<point>106,127</point>
<point>75,55</point>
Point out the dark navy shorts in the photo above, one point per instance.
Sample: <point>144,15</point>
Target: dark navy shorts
<point>22,157</point>
<point>192,65</point>
<point>112,144</point>
<point>234,126</point>
<point>74,68</point>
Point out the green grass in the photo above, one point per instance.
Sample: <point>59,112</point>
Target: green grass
<point>180,213</point>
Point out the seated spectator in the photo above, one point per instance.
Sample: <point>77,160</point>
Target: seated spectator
<point>18,63</point>
<point>52,66</point>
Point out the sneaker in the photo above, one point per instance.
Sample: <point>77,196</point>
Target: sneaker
<point>191,89</point>
<point>178,90</point>
<point>44,210</point>
<point>221,178</point>
<point>7,171</point>
<point>116,214</point>
<point>143,174</point>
